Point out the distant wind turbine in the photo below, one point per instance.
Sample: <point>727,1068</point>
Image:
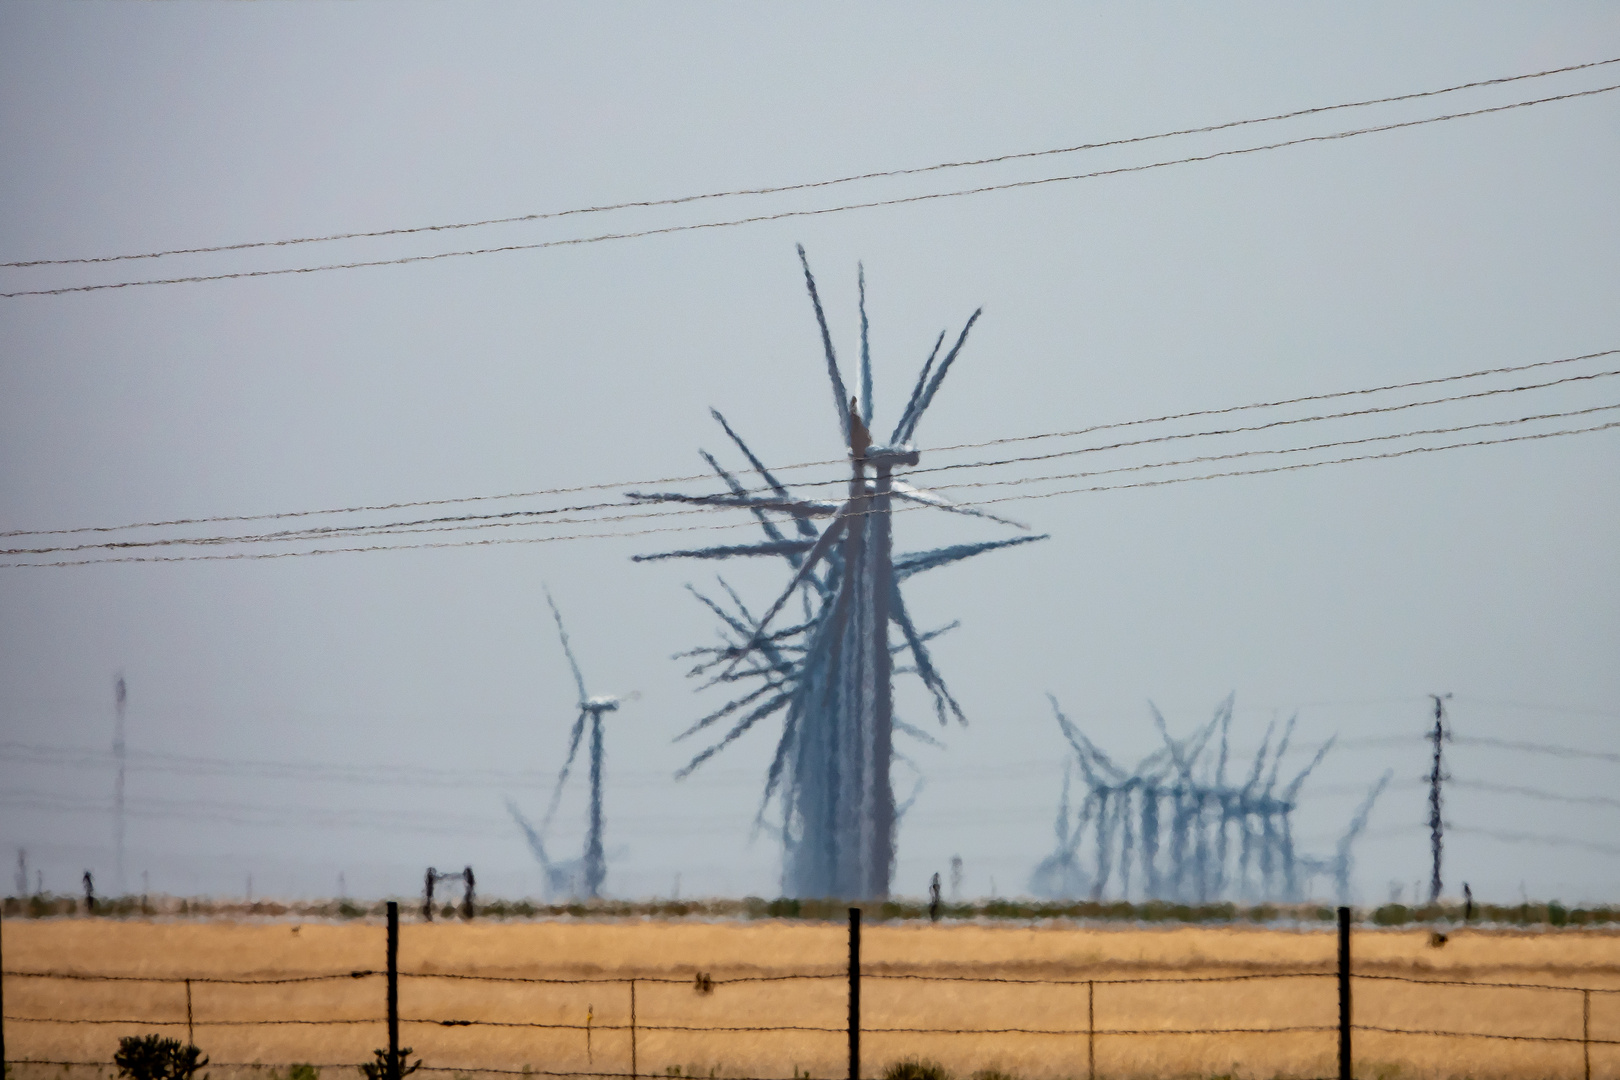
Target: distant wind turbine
<point>590,870</point>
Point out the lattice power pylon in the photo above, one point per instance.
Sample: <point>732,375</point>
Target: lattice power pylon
<point>831,671</point>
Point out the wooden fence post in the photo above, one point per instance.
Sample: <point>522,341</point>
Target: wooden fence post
<point>632,1028</point>
<point>191,1037</point>
<point>20,901</point>
<point>1586,1032</point>
<point>393,990</point>
<point>1091,1029</point>
<point>1344,993</point>
<point>854,993</point>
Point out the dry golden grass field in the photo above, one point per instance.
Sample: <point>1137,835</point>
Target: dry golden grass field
<point>679,950</point>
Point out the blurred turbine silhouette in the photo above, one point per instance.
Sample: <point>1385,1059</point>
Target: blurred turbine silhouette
<point>1173,820</point>
<point>831,671</point>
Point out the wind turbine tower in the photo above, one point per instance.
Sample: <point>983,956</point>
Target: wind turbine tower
<point>830,671</point>
<point>593,863</point>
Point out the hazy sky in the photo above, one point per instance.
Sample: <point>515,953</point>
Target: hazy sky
<point>1345,593</point>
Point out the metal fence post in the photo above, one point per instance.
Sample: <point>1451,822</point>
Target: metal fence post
<point>1344,993</point>
<point>632,1027</point>
<point>393,990</point>
<point>854,993</point>
<point>1091,1029</point>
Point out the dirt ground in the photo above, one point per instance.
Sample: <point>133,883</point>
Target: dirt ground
<point>1147,1027</point>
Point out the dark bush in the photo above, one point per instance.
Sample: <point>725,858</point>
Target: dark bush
<point>157,1057</point>
<point>378,1069</point>
<point>916,1069</point>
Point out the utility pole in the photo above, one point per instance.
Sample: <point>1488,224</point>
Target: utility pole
<point>1439,736</point>
<point>120,696</point>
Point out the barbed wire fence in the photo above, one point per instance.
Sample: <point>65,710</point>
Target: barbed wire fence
<point>633,1028</point>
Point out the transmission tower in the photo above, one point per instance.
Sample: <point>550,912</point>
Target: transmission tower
<point>1439,736</point>
<point>120,697</point>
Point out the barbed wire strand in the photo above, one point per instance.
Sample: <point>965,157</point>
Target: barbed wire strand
<point>1227,410</point>
<point>785,215</point>
<point>784,188</point>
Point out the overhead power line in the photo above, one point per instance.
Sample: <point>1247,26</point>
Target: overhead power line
<point>1539,839</point>
<point>784,215</point>
<point>497,541</point>
<point>1535,748</point>
<point>538,492</point>
<point>1538,793</point>
<point>528,518</point>
<point>806,186</point>
<point>524,518</point>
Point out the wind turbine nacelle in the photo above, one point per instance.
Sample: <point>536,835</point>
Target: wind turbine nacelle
<point>601,704</point>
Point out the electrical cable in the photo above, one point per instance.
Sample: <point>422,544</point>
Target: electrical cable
<point>1505,370</point>
<point>782,188</point>
<point>526,517</point>
<point>1208,458</point>
<point>499,541</point>
<point>504,520</point>
<point>1535,793</point>
<point>784,215</point>
<point>1534,748</point>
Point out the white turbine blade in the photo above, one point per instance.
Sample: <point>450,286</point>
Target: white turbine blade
<point>905,491</point>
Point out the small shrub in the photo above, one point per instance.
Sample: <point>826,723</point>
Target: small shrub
<point>378,1069</point>
<point>1393,915</point>
<point>916,1069</point>
<point>993,1074</point>
<point>304,1071</point>
<point>157,1057</point>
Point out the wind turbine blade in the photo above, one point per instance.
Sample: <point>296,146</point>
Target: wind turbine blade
<point>939,377</point>
<point>737,489</point>
<point>536,844</point>
<point>562,632</point>
<point>1174,747</point>
<point>1226,727</point>
<point>1061,827</point>
<point>562,777</point>
<point>805,528</point>
<point>1293,787</point>
<point>1084,749</point>
<point>729,708</point>
<point>840,395</point>
<point>916,392</point>
<point>829,536</point>
<point>916,732</point>
<point>735,733</point>
<point>866,353</point>
<point>905,491</point>
<point>774,776</point>
<point>909,565</point>
<point>1364,811</point>
<point>1260,759</point>
<point>925,663</point>
<point>1282,748</point>
<point>790,548</point>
